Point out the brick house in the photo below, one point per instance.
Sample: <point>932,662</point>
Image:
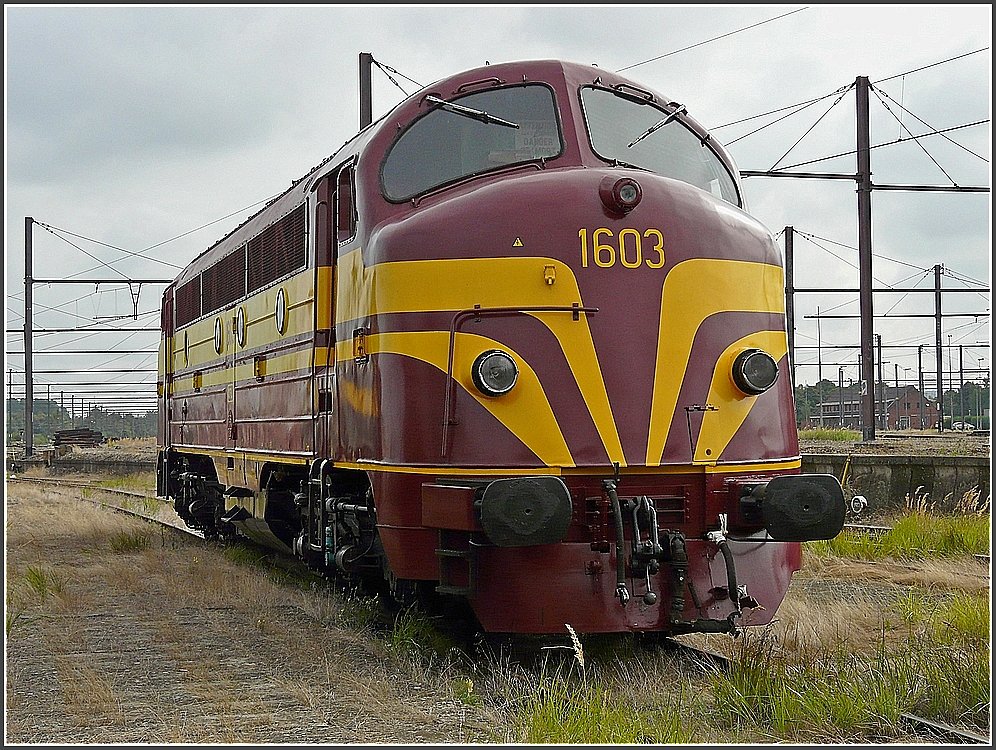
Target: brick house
<point>904,409</point>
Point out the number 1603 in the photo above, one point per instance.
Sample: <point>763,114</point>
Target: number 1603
<point>629,248</point>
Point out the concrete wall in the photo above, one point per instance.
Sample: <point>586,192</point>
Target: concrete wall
<point>60,466</point>
<point>886,481</point>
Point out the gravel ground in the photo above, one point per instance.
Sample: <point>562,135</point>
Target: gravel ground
<point>110,641</point>
<point>905,444</point>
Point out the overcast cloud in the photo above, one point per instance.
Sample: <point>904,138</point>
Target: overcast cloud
<point>134,125</point>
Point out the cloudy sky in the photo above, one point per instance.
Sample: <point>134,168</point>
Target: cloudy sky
<point>137,136</point>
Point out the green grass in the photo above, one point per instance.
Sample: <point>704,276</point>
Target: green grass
<point>912,538</point>
<point>921,533</point>
<point>414,637</point>
<point>940,670</point>
<point>142,481</point>
<point>42,582</point>
<point>131,541</point>
<point>569,710</point>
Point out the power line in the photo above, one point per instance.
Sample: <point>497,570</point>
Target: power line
<point>721,36</point>
<point>934,130</point>
<point>932,65</point>
<point>825,96</point>
<point>53,230</point>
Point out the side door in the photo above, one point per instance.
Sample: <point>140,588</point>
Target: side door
<point>335,223</point>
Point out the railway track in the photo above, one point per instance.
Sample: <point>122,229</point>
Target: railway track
<point>92,487</point>
<point>926,729</point>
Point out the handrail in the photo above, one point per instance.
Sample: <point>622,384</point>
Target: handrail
<point>477,311</point>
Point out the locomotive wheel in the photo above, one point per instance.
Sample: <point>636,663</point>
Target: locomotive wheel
<point>403,591</point>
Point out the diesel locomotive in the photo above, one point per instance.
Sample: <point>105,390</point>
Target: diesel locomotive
<point>517,342</point>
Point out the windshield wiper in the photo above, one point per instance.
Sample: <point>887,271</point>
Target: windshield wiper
<point>680,108</point>
<point>474,114</point>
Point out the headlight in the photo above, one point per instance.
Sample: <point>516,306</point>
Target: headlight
<point>494,373</point>
<point>754,371</point>
<point>620,195</point>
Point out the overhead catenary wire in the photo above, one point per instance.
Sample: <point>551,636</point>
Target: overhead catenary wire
<point>713,39</point>
<point>916,139</point>
<point>825,96</point>
<point>387,70</point>
<point>882,92</point>
<point>883,145</point>
<point>810,130</point>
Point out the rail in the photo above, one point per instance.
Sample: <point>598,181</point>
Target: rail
<point>927,729</point>
<point>89,485</point>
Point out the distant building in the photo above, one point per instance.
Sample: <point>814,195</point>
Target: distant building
<point>903,408</point>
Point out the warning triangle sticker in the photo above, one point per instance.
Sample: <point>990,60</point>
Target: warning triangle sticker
<point>517,243</point>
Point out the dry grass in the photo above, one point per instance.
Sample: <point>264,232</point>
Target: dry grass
<point>121,616</point>
<point>246,651</point>
<point>959,574</point>
<point>133,443</point>
<point>88,695</point>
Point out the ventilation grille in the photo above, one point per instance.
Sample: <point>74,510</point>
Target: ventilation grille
<point>224,282</point>
<point>278,250</point>
<point>188,302</point>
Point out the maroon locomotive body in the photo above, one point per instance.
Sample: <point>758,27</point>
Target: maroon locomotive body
<point>518,342</point>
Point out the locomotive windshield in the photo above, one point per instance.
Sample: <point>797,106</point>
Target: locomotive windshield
<point>637,133</point>
<point>471,135</point>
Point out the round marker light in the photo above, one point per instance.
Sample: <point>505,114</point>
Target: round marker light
<point>754,371</point>
<point>620,195</point>
<point>494,373</point>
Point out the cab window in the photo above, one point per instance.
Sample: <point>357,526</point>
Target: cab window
<point>345,221</point>
<point>472,135</point>
<point>618,127</point>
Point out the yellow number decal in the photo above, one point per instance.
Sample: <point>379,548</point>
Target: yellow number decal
<point>658,247</point>
<point>605,255</point>
<point>629,244</point>
<point>638,245</point>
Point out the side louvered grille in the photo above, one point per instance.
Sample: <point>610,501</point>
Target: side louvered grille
<point>188,302</point>
<point>278,250</point>
<point>224,282</point>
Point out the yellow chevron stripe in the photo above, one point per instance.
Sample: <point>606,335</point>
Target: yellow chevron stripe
<point>733,405</point>
<point>414,286</point>
<point>693,291</point>
<point>525,410</point>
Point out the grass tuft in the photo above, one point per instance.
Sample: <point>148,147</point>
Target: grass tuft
<point>565,711</point>
<point>131,541</point>
<point>940,670</point>
<point>43,582</point>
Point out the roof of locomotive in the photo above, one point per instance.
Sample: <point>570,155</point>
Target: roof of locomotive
<point>573,74</point>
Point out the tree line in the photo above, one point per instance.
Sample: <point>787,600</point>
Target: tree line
<point>49,417</point>
<point>967,403</point>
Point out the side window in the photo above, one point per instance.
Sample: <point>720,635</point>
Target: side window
<point>345,219</point>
